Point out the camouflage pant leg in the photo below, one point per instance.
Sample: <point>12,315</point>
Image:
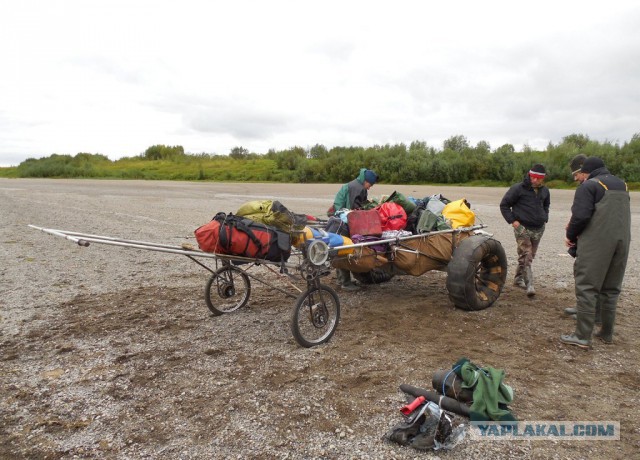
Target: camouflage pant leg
<point>527,242</point>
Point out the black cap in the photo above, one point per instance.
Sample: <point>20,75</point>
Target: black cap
<point>577,162</point>
<point>538,169</point>
<point>591,164</point>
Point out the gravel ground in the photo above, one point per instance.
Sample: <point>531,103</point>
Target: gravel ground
<point>108,352</point>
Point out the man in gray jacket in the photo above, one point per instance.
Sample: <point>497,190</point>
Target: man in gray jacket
<point>600,226</point>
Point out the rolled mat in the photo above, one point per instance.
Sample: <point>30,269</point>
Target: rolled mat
<point>444,402</point>
<point>452,385</point>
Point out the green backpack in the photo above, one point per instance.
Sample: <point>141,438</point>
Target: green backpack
<point>403,201</point>
<point>272,213</point>
<point>429,222</point>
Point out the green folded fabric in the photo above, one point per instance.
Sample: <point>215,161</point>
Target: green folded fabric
<point>490,395</point>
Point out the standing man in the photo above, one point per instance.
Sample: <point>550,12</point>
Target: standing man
<point>601,224</point>
<point>353,195</point>
<point>578,175</point>
<point>525,206</point>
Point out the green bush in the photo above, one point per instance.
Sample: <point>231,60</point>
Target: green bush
<point>458,163</point>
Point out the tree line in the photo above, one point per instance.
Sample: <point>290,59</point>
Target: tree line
<point>457,162</point>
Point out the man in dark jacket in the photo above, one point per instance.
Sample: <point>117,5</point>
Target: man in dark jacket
<point>525,206</point>
<point>578,175</point>
<point>600,226</point>
<point>353,195</point>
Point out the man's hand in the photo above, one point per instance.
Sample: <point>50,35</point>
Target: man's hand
<point>568,243</point>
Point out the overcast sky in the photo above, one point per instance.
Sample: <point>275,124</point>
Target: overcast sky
<point>115,77</point>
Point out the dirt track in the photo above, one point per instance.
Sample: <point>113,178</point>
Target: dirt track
<point>111,353</point>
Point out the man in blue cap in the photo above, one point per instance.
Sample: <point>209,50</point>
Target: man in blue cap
<point>353,195</point>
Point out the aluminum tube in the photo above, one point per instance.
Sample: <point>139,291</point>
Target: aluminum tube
<point>106,238</point>
<point>405,238</point>
<point>84,237</point>
<point>60,234</point>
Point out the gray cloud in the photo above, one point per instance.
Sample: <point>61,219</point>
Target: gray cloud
<point>495,72</point>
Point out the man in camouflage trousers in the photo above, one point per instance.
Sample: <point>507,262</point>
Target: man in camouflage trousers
<point>527,242</point>
<point>525,207</point>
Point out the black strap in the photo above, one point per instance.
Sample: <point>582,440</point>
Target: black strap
<point>227,227</point>
<point>244,226</point>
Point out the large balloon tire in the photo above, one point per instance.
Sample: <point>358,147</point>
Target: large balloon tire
<point>375,276</point>
<point>476,273</point>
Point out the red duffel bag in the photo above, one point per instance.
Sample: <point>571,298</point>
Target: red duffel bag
<point>234,235</point>
<point>208,236</point>
<point>392,216</point>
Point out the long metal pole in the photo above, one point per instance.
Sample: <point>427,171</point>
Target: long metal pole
<point>83,239</point>
<point>405,238</point>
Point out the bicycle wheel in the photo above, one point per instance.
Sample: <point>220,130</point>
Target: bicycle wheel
<point>230,287</point>
<point>315,316</point>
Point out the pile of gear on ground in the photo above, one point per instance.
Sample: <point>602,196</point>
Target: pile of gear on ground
<point>435,419</point>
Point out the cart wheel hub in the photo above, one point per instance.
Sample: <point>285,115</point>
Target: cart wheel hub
<point>226,290</point>
<point>319,317</point>
<point>318,252</point>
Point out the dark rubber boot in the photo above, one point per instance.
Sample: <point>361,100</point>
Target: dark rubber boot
<point>529,282</point>
<point>584,325</point>
<point>606,331</point>
<point>344,278</point>
<point>598,320</point>
<point>350,287</point>
<point>572,339</point>
<point>518,280</point>
<point>582,336</point>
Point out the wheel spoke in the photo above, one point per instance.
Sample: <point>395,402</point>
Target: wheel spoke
<point>227,290</point>
<point>315,316</point>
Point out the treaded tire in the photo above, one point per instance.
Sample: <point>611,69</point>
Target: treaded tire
<point>476,273</point>
<point>375,276</point>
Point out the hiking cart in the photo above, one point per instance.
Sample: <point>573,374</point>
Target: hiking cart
<point>316,309</point>
<point>475,263</point>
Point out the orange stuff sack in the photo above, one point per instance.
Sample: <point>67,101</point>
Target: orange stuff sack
<point>392,216</point>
